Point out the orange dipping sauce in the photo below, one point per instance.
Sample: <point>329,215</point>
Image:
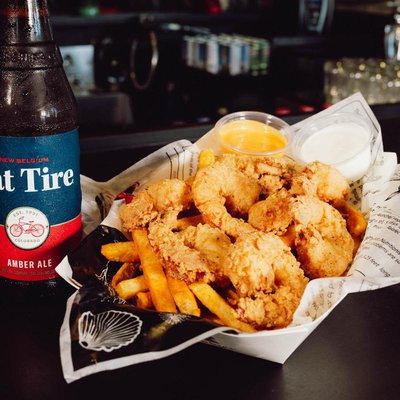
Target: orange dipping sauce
<point>251,137</point>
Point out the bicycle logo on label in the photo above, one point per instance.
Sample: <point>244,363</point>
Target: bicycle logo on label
<point>27,227</point>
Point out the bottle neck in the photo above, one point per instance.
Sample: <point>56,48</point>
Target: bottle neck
<point>24,22</point>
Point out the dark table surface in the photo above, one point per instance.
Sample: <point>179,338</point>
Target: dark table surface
<point>353,354</point>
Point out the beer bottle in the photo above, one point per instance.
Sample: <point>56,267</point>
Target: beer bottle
<point>40,198</point>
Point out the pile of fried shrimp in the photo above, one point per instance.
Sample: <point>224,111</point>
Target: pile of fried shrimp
<point>237,242</point>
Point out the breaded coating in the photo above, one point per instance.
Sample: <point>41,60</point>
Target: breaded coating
<point>323,181</point>
<point>267,278</point>
<point>192,257</point>
<point>165,195</point>
<point>274,214</point>
<point>271,173</point>
<point>250,263</point>
<point>324,245</point>
<point>223,196</point>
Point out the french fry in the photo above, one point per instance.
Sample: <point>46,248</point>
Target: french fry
<point>206,158</point>
<point>183,223</point>
<point>183,297</point>
<point>131,287</point>
<point>153,273</point>
<point>213,318</point>
<point>126,271</point>
<point>120,251</point>
<point>218,306</point>
<point>143,300</point>
<point>356,222</point>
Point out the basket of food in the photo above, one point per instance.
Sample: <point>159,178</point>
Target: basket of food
<point>239,243</point>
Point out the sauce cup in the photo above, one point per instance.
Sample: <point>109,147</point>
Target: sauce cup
<point>342,140</point>
<point>253,133</point>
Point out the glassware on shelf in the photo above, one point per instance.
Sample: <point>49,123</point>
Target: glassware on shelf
<point>333,81</point>
<point>377,79</point>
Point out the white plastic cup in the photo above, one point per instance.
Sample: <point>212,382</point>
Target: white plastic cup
<point>342,140</point>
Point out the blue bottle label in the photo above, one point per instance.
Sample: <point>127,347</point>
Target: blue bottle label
<point>40,204</point>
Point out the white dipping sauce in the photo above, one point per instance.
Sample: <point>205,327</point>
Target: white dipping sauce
<point>343,145</point>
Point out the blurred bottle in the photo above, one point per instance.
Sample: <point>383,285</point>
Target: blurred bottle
<point>227,54</point>
<point>40,198</point>
<point>316,15</point>
<point>213,7</point>
<point>392,35</point>
<point>89,8</point>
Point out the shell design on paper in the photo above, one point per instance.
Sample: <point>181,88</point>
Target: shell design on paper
<point>108,331</point>
<point>102,277</point>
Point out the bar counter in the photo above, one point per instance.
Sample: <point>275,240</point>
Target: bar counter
<point>353,354</point>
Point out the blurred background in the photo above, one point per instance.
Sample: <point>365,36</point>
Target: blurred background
<point>140,65</point>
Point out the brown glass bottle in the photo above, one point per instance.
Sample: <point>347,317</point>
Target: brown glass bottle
<point>40,194</point>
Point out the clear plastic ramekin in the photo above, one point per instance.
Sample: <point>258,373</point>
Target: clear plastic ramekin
<point>342,140</point>
<point>251,123</point>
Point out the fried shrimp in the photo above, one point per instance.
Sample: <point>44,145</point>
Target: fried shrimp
<point>223,196</point>
<point>313,228</point>
<point>268,280</point>
<point>271,173</point>
<point>190,256</point>
<point>321,180</point>
<point>165,195</point>
<point>274,214</point>
<point>324,245</point>
<point>211,242</point>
